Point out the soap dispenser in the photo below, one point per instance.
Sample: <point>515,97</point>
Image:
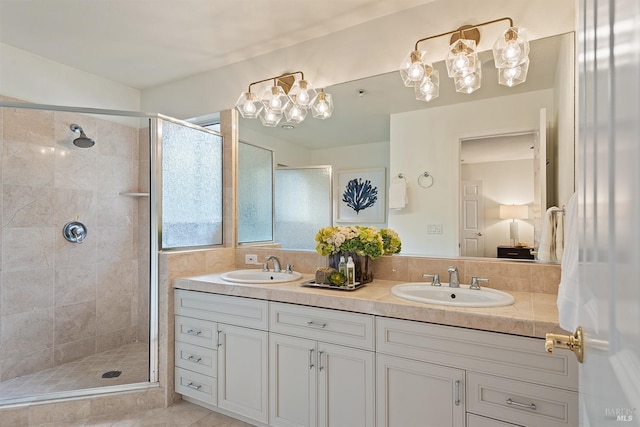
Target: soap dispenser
<point>342,266</point>
<point>351,272</point>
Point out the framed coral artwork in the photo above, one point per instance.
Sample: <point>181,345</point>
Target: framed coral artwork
<point>360,195</point>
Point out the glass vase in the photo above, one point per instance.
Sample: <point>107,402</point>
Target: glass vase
<point>363,265</point>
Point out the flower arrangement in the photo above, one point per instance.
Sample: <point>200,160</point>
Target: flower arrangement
<point>359,240</point>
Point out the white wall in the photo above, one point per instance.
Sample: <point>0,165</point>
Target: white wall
<point>361,51</point>
<point>35,79</point>
<point>285,153</point>
<point>503,183</point>
<point>565,97</point>
<point>429,140</point>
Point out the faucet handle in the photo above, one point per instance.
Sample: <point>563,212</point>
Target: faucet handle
<point>435,277</point>
<point>289,269</point>
<point>474,282</point>
<point>265,267</point>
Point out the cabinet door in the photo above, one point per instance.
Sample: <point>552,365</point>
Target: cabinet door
<point>412,393</point>
<point>242,371</point>
<point>346,386</point>
<point>292,374</point>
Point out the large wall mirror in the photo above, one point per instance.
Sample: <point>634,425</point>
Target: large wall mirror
<point>486,136</point>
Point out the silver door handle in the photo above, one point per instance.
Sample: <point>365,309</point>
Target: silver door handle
<point>320,367</point>
<point>311,365</point>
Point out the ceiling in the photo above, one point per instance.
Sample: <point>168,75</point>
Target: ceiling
<point>144,43</point>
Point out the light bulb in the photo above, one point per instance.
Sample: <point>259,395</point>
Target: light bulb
<point>460,63</point>
<point>303,98</point>
<point>427,86</point>
<point>469,79</point>
<point>249,108</point>
<point>512,73</point>
<point>323,107</point>
<point>275,103</point>
<point>416,71</point>
<point>511,53</point>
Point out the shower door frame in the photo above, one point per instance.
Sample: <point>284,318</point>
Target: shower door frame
<point>154,198</point>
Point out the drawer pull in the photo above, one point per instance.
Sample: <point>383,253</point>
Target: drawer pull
<point>193,332</point>
<point>311,358</point>
<point>531,406</point>
<point>316,324</point>
<point>194,386</point>
<point>194,358</point>
<point>219,343</point>
<point>457,401</point>
<point>320,367</point>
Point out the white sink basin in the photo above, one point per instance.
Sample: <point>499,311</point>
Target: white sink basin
<point>259,276</point>
<point>459,297</point>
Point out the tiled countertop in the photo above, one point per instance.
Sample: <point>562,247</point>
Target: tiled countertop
<point>532,314</point>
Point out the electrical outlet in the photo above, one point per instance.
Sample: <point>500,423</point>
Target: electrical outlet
<point>434,228</point>
<point>251,259</point>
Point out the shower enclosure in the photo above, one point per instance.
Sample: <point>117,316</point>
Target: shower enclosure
<point>78,281</point>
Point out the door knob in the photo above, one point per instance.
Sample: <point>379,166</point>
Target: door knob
<point>479,233</point>
<point>573,342</point>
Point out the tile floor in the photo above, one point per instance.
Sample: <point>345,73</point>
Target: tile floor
<point>131,359</point>
<point>181,414</point>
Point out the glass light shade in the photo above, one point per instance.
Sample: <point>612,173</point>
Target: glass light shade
<point>303,92</point>
<point>429,87</point>
<point>511,48</point>
<point>462,57</point>
<point>470,81</point>
<point>412,69</point>
<point>248,105</point>
<point>294,112</point>
<point>322,106</point>
<point>275,99</point>
<point>514,75</point>
<point>270,118</point>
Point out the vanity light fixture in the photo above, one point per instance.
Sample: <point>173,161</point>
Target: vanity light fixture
<point>510,51</point>
<point>287,97</point>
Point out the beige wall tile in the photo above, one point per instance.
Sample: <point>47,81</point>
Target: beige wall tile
<point>22,162</point>
<point>57,412</point>
<point>75,350</point>
<point>76,205</point>
<point>26,206</point>
<point>24,333</point>
<point>23,291</point>
<point>14,417</point>
<point>30,126</point>
<point>16,366</point>
<point>75,285</point>
<point>117,140</point>
<point>74,322</point>
<point>28,248</point>
<point>76,168</point>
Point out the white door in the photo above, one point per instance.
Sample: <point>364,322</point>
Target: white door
<point>242,371</point>
<point>540,173</point>
<point>346,386</point>
<point>609,194</point>
<point>292,381</point>
<point>472,219</point>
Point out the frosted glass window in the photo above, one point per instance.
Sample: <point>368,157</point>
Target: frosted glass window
<point>191,187</point>
<point>303,205</point>
<point>255,194</point>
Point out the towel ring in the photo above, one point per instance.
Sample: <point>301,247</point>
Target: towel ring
<point>425,176</point>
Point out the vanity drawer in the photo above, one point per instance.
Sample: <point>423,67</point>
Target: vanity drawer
<point>250,313</point>
<point>338,327</point>
<point>521,403</point>
<point>196,385</point>
<point>509,356</point>
<point>195,331</point>
<point>198,359</point>
<point>478,421</point>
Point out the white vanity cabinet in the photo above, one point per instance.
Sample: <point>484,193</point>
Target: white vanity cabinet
<point>222,352</point>
<point>321,367</point>
<point>504,379</point>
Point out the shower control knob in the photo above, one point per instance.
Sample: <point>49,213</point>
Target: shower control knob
<point>74,232</point>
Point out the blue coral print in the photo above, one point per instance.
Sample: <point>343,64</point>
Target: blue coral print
<point>360,195</point>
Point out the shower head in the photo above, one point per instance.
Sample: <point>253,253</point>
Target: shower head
<point>83,141</point>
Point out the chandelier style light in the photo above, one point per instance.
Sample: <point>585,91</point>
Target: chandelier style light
<point>510,52</point>
<point>288,98</point>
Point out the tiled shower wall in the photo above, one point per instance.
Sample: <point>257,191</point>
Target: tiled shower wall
<point>60,301</point>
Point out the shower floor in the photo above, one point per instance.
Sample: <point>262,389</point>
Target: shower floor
<point>132,360</point>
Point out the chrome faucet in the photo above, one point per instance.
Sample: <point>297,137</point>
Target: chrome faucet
<point>454,278</point>
<point>276,264</point>
<point>475,281</point>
